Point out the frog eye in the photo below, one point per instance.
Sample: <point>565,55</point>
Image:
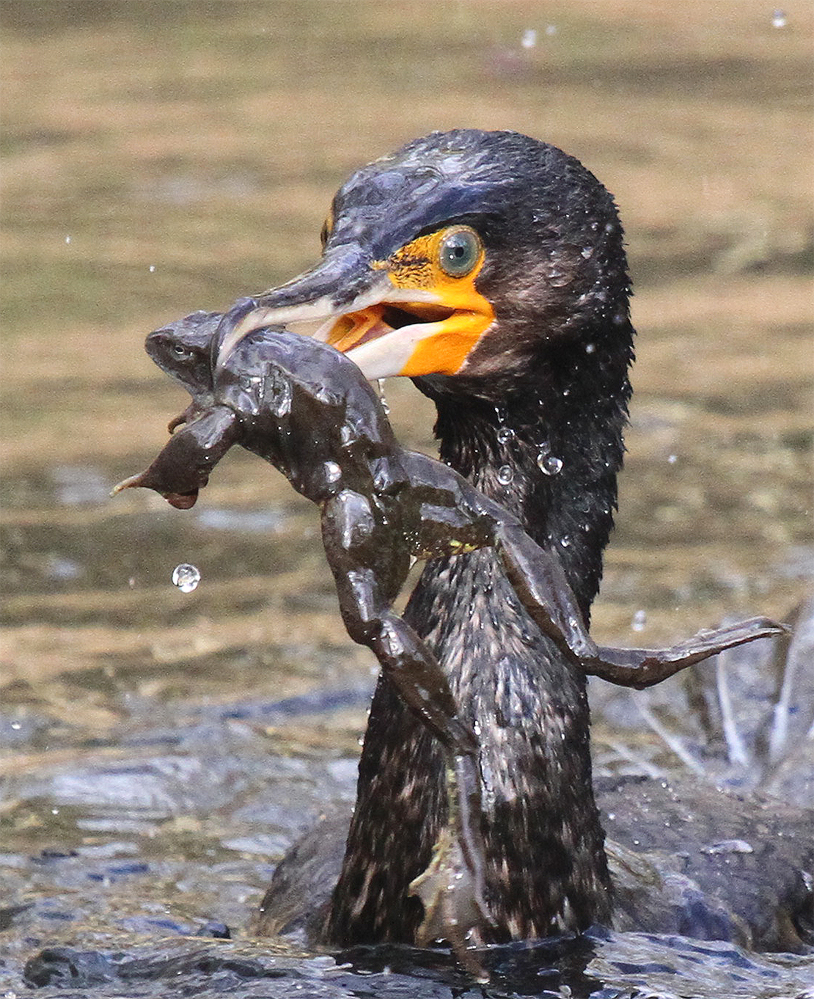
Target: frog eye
<point>459,251</point>
<point>181,352</point>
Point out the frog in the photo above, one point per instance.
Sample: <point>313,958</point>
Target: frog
<point>308,410</point>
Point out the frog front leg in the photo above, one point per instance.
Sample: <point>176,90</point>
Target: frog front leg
<point>540,582</point>
<point>452,888</point>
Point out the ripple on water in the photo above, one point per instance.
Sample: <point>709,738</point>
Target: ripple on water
<point>613,967</point>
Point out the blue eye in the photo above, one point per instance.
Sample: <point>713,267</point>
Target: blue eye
<point>459,251</point>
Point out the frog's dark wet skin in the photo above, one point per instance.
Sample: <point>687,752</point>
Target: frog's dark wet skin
<point>310,412</point>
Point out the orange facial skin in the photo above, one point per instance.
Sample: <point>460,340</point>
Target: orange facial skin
<point>445,322</point>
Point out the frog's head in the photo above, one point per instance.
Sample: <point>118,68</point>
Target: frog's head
<point>183,350</point>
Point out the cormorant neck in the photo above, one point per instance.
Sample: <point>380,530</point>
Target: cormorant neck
<point>544,841</point>
<point>548,445</point>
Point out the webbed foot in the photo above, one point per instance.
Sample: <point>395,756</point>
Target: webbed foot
<point>453,904</point>
<point>452,888</point>
<point>642,668</point>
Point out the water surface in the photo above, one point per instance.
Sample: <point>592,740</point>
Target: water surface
<point>161,750</point>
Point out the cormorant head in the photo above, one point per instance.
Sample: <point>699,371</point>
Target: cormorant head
<point>459,255</point>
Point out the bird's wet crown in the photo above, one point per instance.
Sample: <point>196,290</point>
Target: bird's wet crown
<point>465,173</point>
<point>382,293</point>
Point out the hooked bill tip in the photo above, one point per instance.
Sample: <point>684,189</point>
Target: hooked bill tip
<point>252,321</point>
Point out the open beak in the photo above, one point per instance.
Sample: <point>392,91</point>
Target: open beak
<point>357,307</point>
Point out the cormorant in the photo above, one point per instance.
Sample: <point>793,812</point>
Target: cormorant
<point>489,267</point>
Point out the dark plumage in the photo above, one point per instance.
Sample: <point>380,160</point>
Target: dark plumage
<point>555,271</point>
<point>532,401</point>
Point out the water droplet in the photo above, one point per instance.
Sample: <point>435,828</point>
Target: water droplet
<point>55,811</point>
<point>505,474</point>
<point>333,473</point>
<point>529,39</point>
<point>587,252</point>
<point>131,582</point>
<point>16,726</point>
<point>152,268</point>
<point>639,620</point>
<point>277,392</point>
<point>67,240</point>
<point>549,464</point>
<point>566,393</point>
<point>504,435</point>
<point>590,348</point>
<point>186,577</point>
<point>565,541</point>
<point>779,19</point>
<point>382,397</point>
<point>557,277</point>
<point>672,459</point>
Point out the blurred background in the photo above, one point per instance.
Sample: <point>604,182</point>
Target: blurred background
<point>166,157</point>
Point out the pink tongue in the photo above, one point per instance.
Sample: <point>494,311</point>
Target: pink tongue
<point>181,501</point>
